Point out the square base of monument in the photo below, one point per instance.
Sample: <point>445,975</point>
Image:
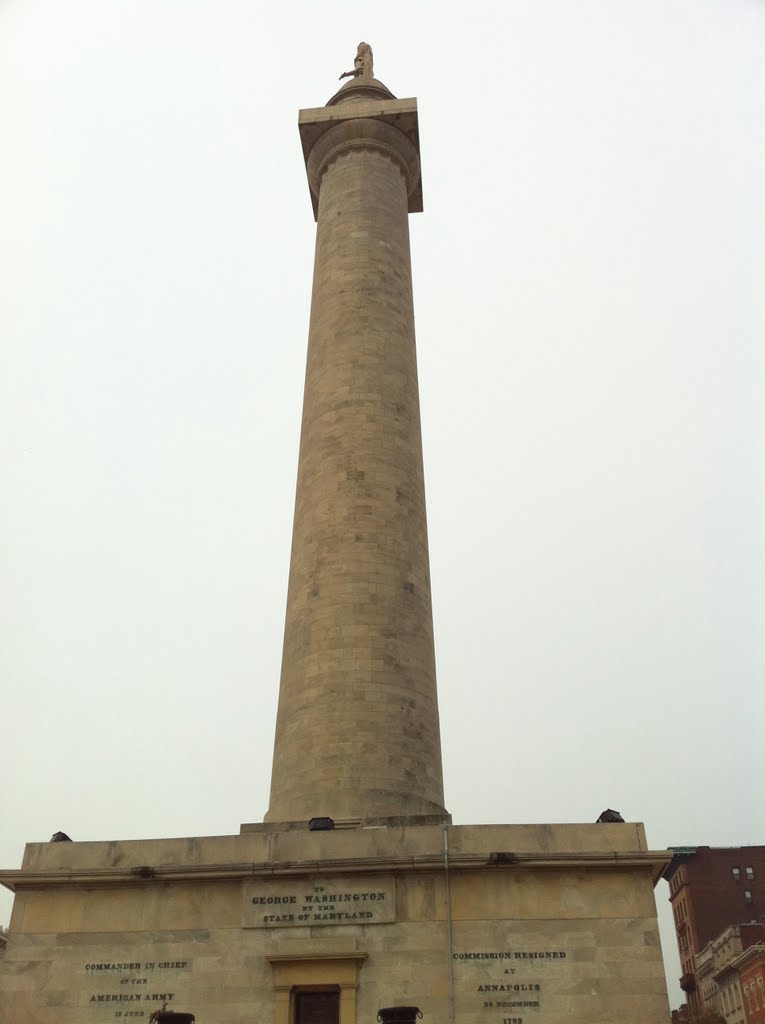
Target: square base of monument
<point>492,924</point>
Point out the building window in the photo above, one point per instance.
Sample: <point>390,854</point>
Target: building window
<point>736,874</point>
<point>748,993</point>
<point>748,895</point>
<point>750,874</point>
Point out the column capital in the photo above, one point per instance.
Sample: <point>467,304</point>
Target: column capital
<point>390,125</point>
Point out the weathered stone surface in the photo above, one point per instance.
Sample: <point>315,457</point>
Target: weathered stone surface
<point>565,932</point>
<point>357,732</point>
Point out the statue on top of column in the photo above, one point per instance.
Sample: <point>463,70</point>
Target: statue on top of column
<point>362,64</point>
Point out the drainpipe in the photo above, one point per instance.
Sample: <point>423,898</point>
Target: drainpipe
<point>449,926</point>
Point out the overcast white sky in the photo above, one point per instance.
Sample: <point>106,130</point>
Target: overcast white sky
<point>590,335</point>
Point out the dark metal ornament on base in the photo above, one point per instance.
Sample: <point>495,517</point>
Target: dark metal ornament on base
<point>171,1017</point>
<point>399,1014</point>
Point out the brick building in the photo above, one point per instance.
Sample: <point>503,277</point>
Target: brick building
<point>717,978</point>
<point>712,888</point>
<point>750,966</point>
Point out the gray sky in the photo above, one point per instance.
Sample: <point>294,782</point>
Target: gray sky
<point>591,365</point>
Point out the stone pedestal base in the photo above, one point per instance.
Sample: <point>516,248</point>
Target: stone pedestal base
<point>493,924</point>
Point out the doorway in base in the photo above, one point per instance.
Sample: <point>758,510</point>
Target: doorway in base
<point>317,1007</point>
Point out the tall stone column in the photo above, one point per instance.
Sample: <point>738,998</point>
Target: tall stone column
<point>357,732</point>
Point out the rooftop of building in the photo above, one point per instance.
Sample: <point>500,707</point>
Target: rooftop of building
<point>684,854</point>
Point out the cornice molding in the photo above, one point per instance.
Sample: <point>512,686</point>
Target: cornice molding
<point>23,878</point>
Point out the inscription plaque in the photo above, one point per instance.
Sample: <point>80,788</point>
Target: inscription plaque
<point>303,903</point>
<point>133,989</point>
<point>508,984</point>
